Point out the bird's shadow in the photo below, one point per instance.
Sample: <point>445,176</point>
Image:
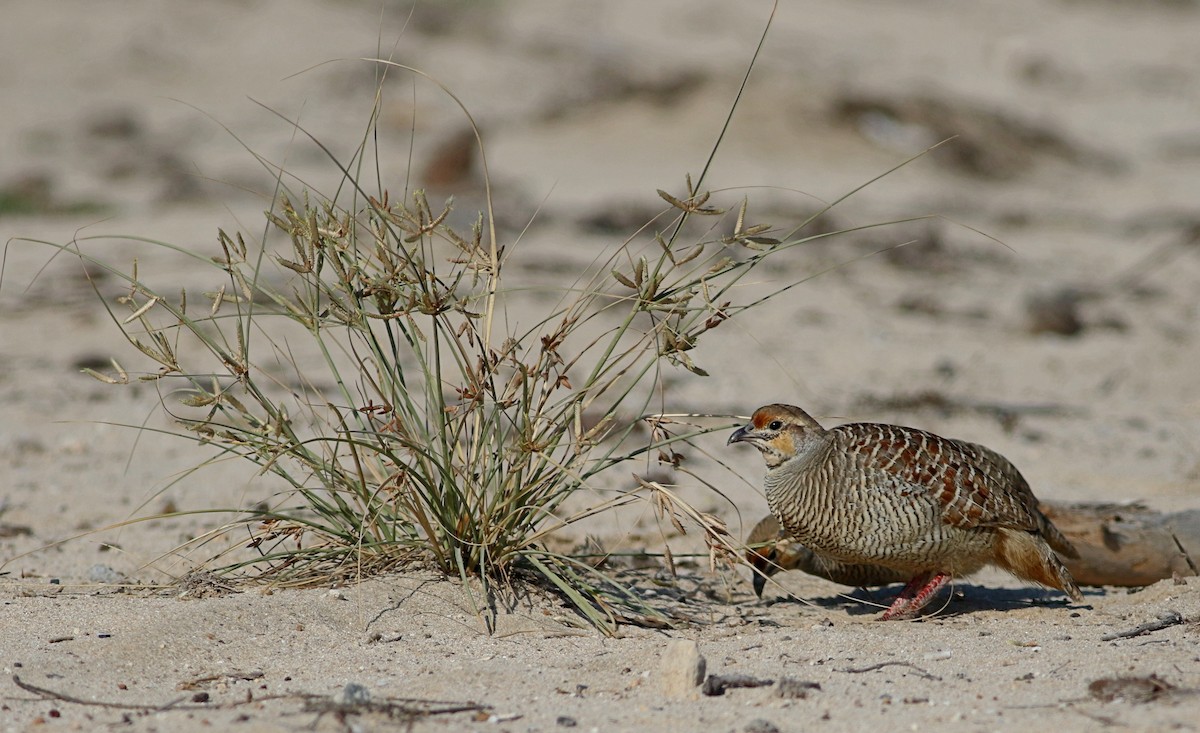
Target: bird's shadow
<point>961,599</point>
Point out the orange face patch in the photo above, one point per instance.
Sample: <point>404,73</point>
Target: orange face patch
<point>763,417</point>
<point>783,443</point>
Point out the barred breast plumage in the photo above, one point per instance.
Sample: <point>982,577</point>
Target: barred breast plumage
<point>929,507</point>
<point>772,550</point>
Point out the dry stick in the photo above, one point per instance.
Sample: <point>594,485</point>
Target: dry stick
<point>715,685</point>
<point>881,665</point>
<point>51,694</point>
<point>1165,620</point>
<point>1186,555</point>
<point>312,703</point>
<point>1104,720</point>
<point>323,705</point>
<point>246,676</point>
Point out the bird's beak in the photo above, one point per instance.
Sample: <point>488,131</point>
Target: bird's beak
<point>760,582</point>
<point>741,434</point>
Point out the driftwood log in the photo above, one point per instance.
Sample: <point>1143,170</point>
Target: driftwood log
<point>1128,544</point>
<point>1119,544</point>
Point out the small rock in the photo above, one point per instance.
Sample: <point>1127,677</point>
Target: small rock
<point>353,694</point>
<point>1130,689</point>
<point>565,721</point>
<point>758,725</point>
<point>1054,312</point>
<point>15,530</point>
<point>121,124</point>
<point>790,688</point>
<point>682,668</point>
<point>451,162</point>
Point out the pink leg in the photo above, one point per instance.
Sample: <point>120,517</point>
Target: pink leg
<point>915,596</point>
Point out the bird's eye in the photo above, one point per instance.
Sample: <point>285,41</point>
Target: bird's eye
<point>775,425</point>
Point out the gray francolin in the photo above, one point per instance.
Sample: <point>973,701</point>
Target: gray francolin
<point>928,507</point>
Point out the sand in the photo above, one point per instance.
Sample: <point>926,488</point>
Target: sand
<point>1072,182</point>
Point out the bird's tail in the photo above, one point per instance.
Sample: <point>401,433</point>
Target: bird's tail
<point>1027,555</point>
<point>1056,538</point>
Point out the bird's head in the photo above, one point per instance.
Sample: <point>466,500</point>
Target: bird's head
<point>778,432</point>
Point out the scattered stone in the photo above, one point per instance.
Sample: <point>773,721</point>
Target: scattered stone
<point>566,721</point>
<point>758,725</point>
<point>717,684</point>
<point>452,160</point>
<point>682,668</point>
<point>120,124</point>
<point>790,688</point>
<point>1130,689</point>
<point>15,530</point>
<point>353,695</point>
<point>1054,312</point>
<point>24,445</point>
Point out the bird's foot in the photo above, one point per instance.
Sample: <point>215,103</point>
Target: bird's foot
<point>915,596</point>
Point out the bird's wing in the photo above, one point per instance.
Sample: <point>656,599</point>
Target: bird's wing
<point>973,485</point>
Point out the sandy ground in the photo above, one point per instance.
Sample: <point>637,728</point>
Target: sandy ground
<point>1077,148</point>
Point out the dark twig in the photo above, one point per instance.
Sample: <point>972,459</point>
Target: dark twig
<point>51,694</point>
<point>1165,620</point>
<point>717,684</point>
<point>1186,555</point>
<point>1104,720</point>
<point>881,665</point>
<point>200,681</point>
<point>391,707</point>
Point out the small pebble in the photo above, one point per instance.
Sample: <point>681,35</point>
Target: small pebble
<point>566,721</point>
<point>758,725</point>
<point>353,694</point>
<point>682,668</point>
<point>1054,312</point>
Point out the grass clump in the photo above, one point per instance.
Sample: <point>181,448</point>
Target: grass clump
<point>430,427</point>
